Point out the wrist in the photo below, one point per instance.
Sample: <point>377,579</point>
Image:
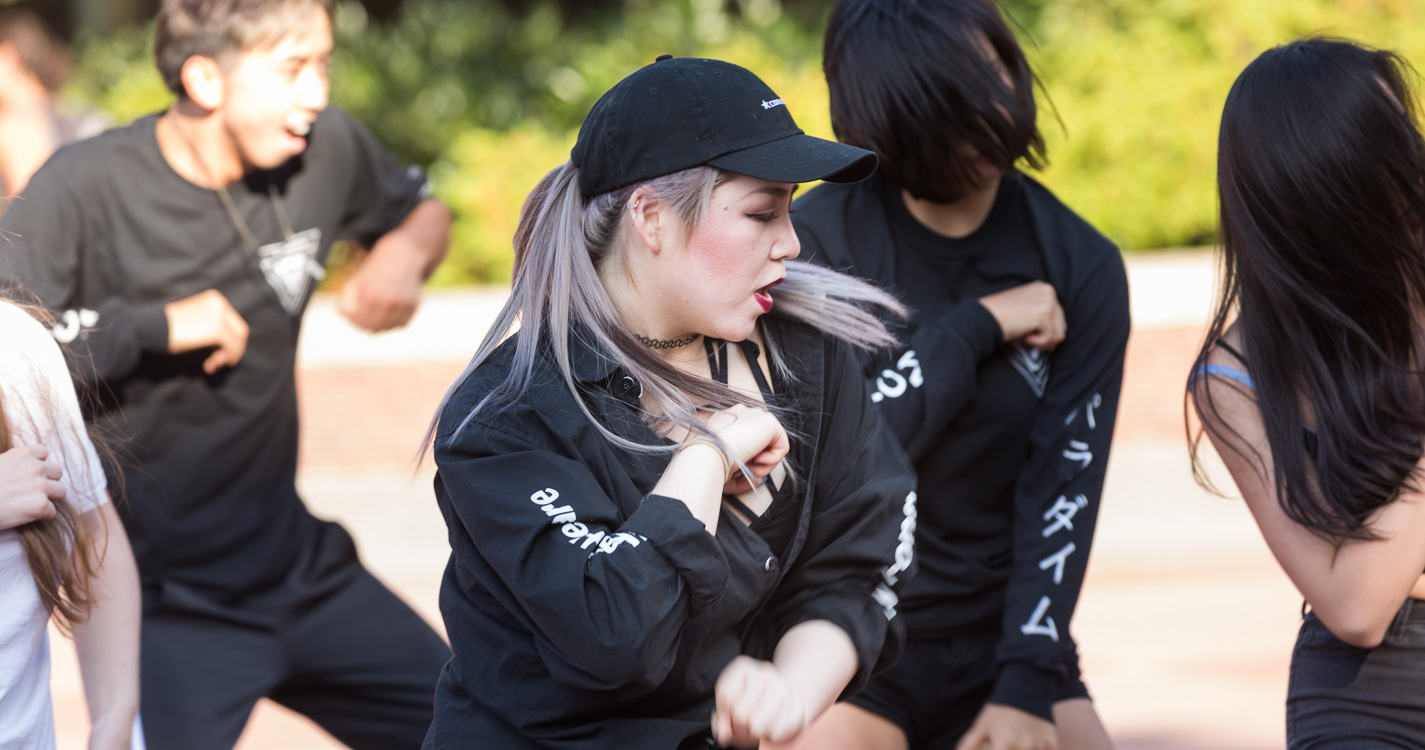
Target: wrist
<point>398,254</point>
<point>706,447</point>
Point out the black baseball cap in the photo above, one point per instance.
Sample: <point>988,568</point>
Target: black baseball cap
<point>678,113</point>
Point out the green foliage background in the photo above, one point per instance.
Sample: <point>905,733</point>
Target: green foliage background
<point>489,101</point>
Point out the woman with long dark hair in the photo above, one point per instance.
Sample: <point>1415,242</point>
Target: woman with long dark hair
<point>63,552</point>
<point>674,517</point>
<point>1311,382</point>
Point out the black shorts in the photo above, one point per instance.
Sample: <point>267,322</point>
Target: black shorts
<point>1343,696</point>
<point>938,687</point>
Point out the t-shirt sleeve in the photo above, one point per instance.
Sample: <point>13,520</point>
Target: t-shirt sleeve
<point>382,191</point>
<point>41,405</point>
<point>42,258</point>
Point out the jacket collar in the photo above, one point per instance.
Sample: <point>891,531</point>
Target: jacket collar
<point>589,362</point>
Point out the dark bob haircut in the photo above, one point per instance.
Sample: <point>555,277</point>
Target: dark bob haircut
<point>912,81</point>
<point>1321,182</point>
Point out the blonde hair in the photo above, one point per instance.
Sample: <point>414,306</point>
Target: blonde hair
<point>561,241</point>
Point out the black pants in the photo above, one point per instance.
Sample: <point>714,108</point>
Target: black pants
<point>936,690</point>
<point>331,642</point>
<point>1340,696</point>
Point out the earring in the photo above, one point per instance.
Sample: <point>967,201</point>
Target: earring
<point>634,205</point>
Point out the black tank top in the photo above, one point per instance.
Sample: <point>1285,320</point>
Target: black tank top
<point>775,524</point>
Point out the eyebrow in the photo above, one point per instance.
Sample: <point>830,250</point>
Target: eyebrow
<point>777,190</point>
<point>304,56</point>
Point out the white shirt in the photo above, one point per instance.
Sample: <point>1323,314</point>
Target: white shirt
<point>41,406</point>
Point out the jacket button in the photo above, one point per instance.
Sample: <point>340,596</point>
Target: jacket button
<point>771,565</point>
<point>627,383</point>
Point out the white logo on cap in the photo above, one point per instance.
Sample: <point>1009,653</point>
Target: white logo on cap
<point>774,103</point>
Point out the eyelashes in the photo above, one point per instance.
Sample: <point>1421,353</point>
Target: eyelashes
<point>770,217</point>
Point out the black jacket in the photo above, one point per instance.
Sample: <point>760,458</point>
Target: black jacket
<point>585,612</point>
<point>1009,445</point>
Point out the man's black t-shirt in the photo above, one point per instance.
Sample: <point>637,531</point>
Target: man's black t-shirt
<point>105,235</point>
<point>1009,444</point>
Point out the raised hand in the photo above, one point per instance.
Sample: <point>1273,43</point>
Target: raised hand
<point>203,320</point>
<point>29,486</point>
<point>753,436</point>
<point>1029,312</point>
<point>754,703</point>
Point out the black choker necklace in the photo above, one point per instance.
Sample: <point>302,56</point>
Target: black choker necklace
<point>666,343</point>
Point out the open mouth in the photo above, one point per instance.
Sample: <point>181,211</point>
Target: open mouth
<point>297,129</point>
<point>764,295</point>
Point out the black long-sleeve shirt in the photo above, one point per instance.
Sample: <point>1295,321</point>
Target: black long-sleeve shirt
<point>105,235</point>
<point>1009,444</point>
<point>585,612</point>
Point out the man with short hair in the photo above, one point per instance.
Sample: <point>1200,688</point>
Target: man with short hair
<point>179,254</point>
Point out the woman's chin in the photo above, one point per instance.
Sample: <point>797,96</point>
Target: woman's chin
<point>733,333</point>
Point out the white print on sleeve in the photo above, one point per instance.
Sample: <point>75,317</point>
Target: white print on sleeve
<point>578,533</point>
<point>892,384</point>
<point>1040,623</point>
<point>905,547</point>
<point>72,323</point>
<point>1056,561</point>
<point>1061,517</point>
<point>905,552</point>
<point>1079,451</point>
<point>1063,514</point>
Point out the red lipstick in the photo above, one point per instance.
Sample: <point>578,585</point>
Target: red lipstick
<point>764,295</point>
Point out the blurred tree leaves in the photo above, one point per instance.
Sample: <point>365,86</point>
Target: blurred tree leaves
<point>489,98</point>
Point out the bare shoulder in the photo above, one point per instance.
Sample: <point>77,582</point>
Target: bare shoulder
<point>1223,392</point>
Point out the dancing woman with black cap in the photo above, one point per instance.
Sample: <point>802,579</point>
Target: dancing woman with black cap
<point>675,520</point>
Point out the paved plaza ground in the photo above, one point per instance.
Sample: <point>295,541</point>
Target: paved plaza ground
<point>1185,625</point>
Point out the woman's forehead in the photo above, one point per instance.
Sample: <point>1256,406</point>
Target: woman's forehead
<point>742,186</point>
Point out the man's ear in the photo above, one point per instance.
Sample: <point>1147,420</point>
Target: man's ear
<point>204,82</point>
<point>648,216</point>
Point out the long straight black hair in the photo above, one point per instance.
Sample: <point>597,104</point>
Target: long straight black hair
<point>1321,181</point>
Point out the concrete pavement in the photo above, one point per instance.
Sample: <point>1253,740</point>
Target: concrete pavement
<point>1185,624</point>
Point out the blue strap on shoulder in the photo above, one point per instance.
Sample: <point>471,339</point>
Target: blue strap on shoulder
<point>1231,373</point>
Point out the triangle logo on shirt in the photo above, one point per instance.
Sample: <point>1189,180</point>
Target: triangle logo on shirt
<point>291,265</point>
<point>1032,363</point>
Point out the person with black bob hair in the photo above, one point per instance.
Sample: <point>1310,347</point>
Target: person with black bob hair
<point>1310,385</point>
<point>1005,389</point>
<point>675,520</point>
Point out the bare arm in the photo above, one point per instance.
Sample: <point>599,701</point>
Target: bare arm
<point>384,291</point>
<point>108,643</point>
<point>698,475</point>
<point>1354,587</point>
<point>773,702</point>
<point>817,659</point>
